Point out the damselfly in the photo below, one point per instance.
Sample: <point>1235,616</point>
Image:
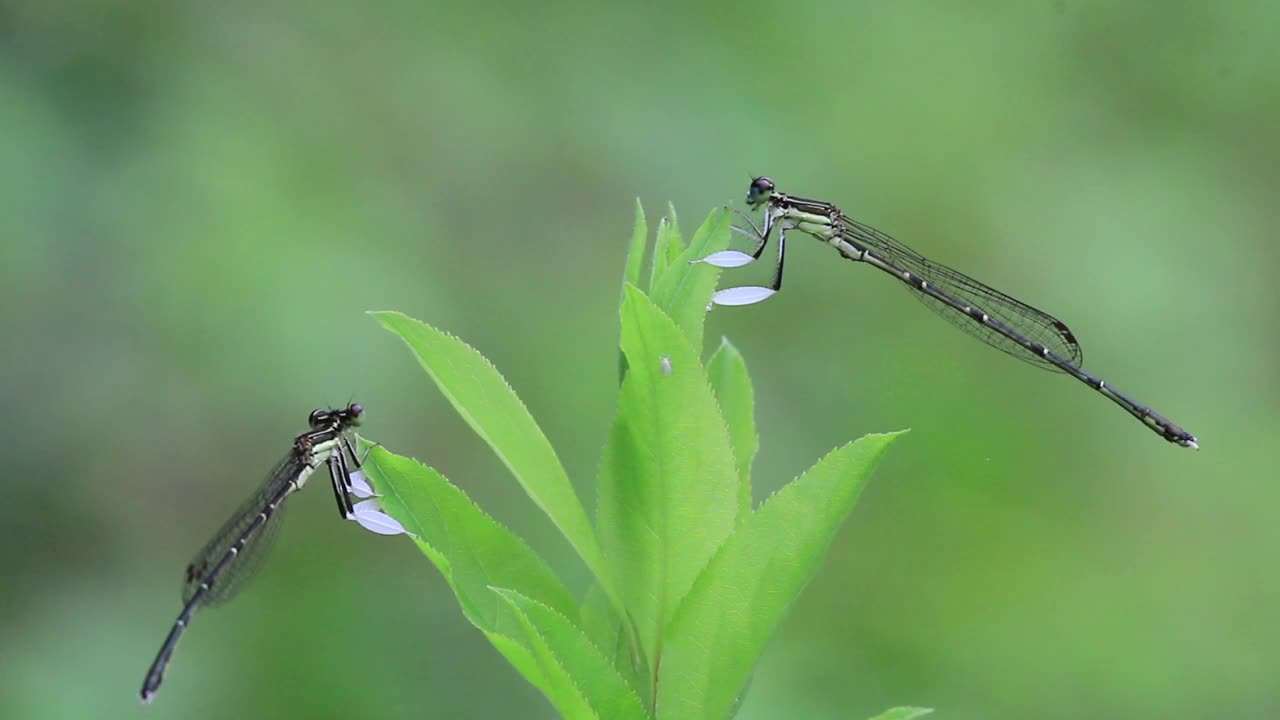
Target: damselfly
<point>989,315</point>
<point>223,565</point>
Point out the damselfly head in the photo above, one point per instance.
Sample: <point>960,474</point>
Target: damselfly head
<point>759,191</point>
<point>346,417</point>
<point>351,416</point>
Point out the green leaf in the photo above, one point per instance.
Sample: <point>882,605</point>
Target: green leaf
<point>601,623</point>
<point>581,676</point>
<point>635,263</point>
<point>635,253</point>
<point>666,247</point>
<point>675,227</point>
<point>684,290</point>
<point>542,671</point>
<point>732,385</point>
<point>903,713</point>
<point>471,550</point>
<point>521,658</point>
<point>488,404</point>
<point>668,493</point>
<point>721,628</point>
<point>607,631</point>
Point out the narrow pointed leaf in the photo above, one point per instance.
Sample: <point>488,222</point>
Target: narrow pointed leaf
<point>488,404</point>
<point>635,252</point>
<point>721,628</point>
<point>562,646</point>
<point>668,491</point>
<point>542,670</point>
<point>666,247</point>
<point>729,379</point>
<point>471,550</point>
<point>635,263</point>
<point>685,289</point>
<point>675,229</point>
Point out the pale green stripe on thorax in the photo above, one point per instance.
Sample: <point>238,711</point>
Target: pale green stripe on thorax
<point>813,224</point>
<point>319,454</point>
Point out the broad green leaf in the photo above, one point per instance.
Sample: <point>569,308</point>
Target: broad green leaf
<point>488,404</point>
<point>668,493</point>
<point>684,290</point>
<point>471,550</point>
<point>635,252</point>
<point>721,628</point>
<point>606,631</point>
<point>560,646</point>
<point>732,385</point>
<point>903,713</point>
<point>469,547</point>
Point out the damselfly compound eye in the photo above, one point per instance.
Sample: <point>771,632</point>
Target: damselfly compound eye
<point>760,189</point>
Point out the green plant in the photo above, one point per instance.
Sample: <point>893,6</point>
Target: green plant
<point>690,580</point>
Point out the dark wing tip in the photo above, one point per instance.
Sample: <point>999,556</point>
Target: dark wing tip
<point>1067,335</point>
<point>1077,354</point>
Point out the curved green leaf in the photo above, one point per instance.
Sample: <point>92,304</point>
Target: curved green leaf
<point>575,669</point>
<point>721,628</point>
<point>488,404</point>
<point>471,550</point>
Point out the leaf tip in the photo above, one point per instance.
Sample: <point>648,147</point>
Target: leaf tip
<point>386,318</point>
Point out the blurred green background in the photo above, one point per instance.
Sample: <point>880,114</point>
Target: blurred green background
<point>198,201</point>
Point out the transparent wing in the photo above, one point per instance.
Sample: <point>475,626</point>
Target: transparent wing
<point>1035,324</point>
<point>245,564</point>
